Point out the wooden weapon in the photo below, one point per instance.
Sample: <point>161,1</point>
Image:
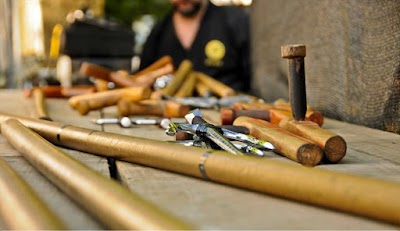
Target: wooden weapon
<point>292,146</point>
<point>279,111</point>
<point>122,210</point>
<point>86,103</point>
<point>61,92</point>
<point>215,86</point>
<point>363,196</point>
<point>166,109</point>
<point>333,145</point>
<point>144,78</point>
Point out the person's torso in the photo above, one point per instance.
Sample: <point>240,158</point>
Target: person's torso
<point>213,51</point>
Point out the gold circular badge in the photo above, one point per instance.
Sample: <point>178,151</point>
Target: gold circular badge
<point>215,50</point>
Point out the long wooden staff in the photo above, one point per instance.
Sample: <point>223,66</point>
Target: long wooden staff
<point>364,196</point>
<point>122,209</point>
<point>20,207</point>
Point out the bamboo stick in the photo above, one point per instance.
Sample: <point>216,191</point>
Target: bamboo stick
<point>363,196</point>
<point>20,207</point>
<point>122,209</point>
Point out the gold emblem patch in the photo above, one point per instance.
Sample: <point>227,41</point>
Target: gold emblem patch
<point>215,52</point>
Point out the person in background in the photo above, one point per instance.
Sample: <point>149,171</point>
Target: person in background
<point>215,39</point>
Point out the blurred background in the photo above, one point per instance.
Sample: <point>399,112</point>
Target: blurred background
<point>44,41</point>
<point>352,63</point>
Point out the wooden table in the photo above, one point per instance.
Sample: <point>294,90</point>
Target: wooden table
<point>206,205</point>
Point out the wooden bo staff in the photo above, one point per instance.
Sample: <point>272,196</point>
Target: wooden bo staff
<point>166,109</point>
<point>215,86</point>
<point>86,103</point>
<point>20,207</point>
<point>40,104</point>
<point>333,145</point>
<point>280,111</point>
<point>292,146</point>
<point>122,209</point>
<point>363,196</point>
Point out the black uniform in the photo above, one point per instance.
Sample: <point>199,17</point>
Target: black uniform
<point>221,47</point>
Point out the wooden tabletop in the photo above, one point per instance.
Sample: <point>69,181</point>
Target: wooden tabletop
<point>205,204</point>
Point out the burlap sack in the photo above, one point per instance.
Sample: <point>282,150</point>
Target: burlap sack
<point>353,56</point>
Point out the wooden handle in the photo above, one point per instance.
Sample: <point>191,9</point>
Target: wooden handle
<point>184,68</point>
<point>283,102</point>
<point>62,92</point>
<point>229,115</point>
<point>148,78</point>
<point>101,85</point>
<point>48,91</point>
<point>122,79</point>
<point>166,109</point>
<point>187,86</point>
<point>165,60</point>
<point>333,145</point>
<point>292,146</point>
<point>216,86</point>
<point>40,104</point>
<point>251,106</point>
<point>202,89</point>
<point>278,112</point>
<point>68,92</point>
<point>86,103</point>
<point>95,71</point>
<point>311,114</point>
